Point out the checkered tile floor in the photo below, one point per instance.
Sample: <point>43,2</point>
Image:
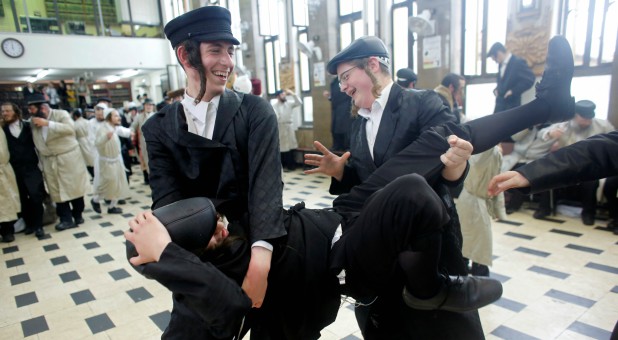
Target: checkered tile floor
<point>560,279</point>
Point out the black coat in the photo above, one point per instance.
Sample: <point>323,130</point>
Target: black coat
<point>590,159</point>
<point>239,169</point>
<point>518,78</point>
<point>208,300</point>
<point>407,114</point>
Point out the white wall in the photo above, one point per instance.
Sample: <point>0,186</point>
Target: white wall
<point>71,51</point>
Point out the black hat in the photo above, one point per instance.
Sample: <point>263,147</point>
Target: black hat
<point>37,98</point>
<point>278,92</point>
<point>207,23</point>
<point>494,49</point>
<point>103,99</point>
<point>585,109</point>
<point>362,47</point>
<point>148,101</point>
<point>405,75</point>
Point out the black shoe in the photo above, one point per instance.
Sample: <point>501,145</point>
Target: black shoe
<point>479,270</point>
<point>114,210</point>
<point>65,225</point>
<point>79,220</point>
<point>588,219</point>
<point>555,86</point>
<point>122,202</point>
<point>28,231</point>
<point>39,233</point>
<point>510,210</point>
<point>459,294</point>
<point>8,238</point>
<point>107,201</point>
<point>541,214</point>
<point>96,206</point>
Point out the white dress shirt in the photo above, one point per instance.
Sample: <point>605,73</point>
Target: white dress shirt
<point>374,116</point>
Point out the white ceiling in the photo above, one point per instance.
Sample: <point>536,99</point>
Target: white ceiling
<point>19,75</point>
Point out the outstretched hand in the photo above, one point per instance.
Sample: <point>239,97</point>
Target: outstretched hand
<point>149,237</point>
<point>327,163</point>
<point>507,180</point>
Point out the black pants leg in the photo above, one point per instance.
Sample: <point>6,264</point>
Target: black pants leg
<point>77,208</point>
<point>589,197</point>
<point>610,191</point>
<point>394,220</point>
<point>7,228</point>
<point>63,210</point>
<point>31,195</point>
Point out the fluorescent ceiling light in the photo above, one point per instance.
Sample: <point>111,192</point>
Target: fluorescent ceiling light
<point>112,79</point>
<point>129,73</point>
<point>42,73</point>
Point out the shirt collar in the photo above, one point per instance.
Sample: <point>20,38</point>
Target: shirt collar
<point>507,58</point>
<point>379,103</point>
<point>199,111</point>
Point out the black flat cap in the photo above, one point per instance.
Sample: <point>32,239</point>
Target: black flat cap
<point>362,47</point>
<point>103,99</point>
<point>209,23</point>
<point>149,101</point>
<point>37,98</point>
<point>406,75</point>
<point>585,108</point>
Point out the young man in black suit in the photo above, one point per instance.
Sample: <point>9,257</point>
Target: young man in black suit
<point>514,77</point>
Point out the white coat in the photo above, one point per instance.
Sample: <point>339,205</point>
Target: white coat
<point>8,185</point>
<point>112,181</point>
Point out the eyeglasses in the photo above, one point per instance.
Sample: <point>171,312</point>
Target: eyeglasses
<point>345,75</point>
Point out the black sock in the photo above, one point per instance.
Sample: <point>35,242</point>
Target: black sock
<point>488,131</point>
<point>420,267</point>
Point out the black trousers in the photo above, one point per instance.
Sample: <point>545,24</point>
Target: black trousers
<point>70,210</point>
<point>610,189</point>
<point>31,195</point>
<point>392,220</point>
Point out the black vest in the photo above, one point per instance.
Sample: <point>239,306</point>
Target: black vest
<point>22,149</point>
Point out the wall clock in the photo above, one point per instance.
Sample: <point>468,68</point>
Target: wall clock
<point>12,47</point>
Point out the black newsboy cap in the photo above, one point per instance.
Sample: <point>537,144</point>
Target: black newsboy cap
<point>362,47</point>
<point>585,108</point>
<point>209,23</point>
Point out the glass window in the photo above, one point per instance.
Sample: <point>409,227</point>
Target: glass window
<point>345,35</point>
<point>591,28</point>
<point>485,24</point>
<point>400,38</point>
<point>300,13</point>
<point>303,61</point>
<point>358,29</point>
<point>308,109</point>
<point>268,23</point>
<point>271,84</point>
<point>282,32</point>
<point>371,17</point>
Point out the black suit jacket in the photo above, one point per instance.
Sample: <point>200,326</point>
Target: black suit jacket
<point>518,78</point>
<point>407,114</point>
<point>590,159</point>
<point>239,169</point>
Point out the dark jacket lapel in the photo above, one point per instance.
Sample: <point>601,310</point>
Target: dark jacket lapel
<point>228,106</point>
<point>175,125</point>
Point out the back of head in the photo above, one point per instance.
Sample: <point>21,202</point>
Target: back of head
<point>452,79</point>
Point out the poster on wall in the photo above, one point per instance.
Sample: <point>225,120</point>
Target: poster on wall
<point>319,74</point>
<point>432,52</point>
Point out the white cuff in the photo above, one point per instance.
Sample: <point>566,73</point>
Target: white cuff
<point>262,244</point>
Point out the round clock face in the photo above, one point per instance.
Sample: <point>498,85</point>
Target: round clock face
<point>12,48</point>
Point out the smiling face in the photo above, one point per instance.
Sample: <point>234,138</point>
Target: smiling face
<point>218,63</point>
<point>356,83</point>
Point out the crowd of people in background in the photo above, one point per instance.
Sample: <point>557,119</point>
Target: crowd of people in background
<point>42,142</point>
